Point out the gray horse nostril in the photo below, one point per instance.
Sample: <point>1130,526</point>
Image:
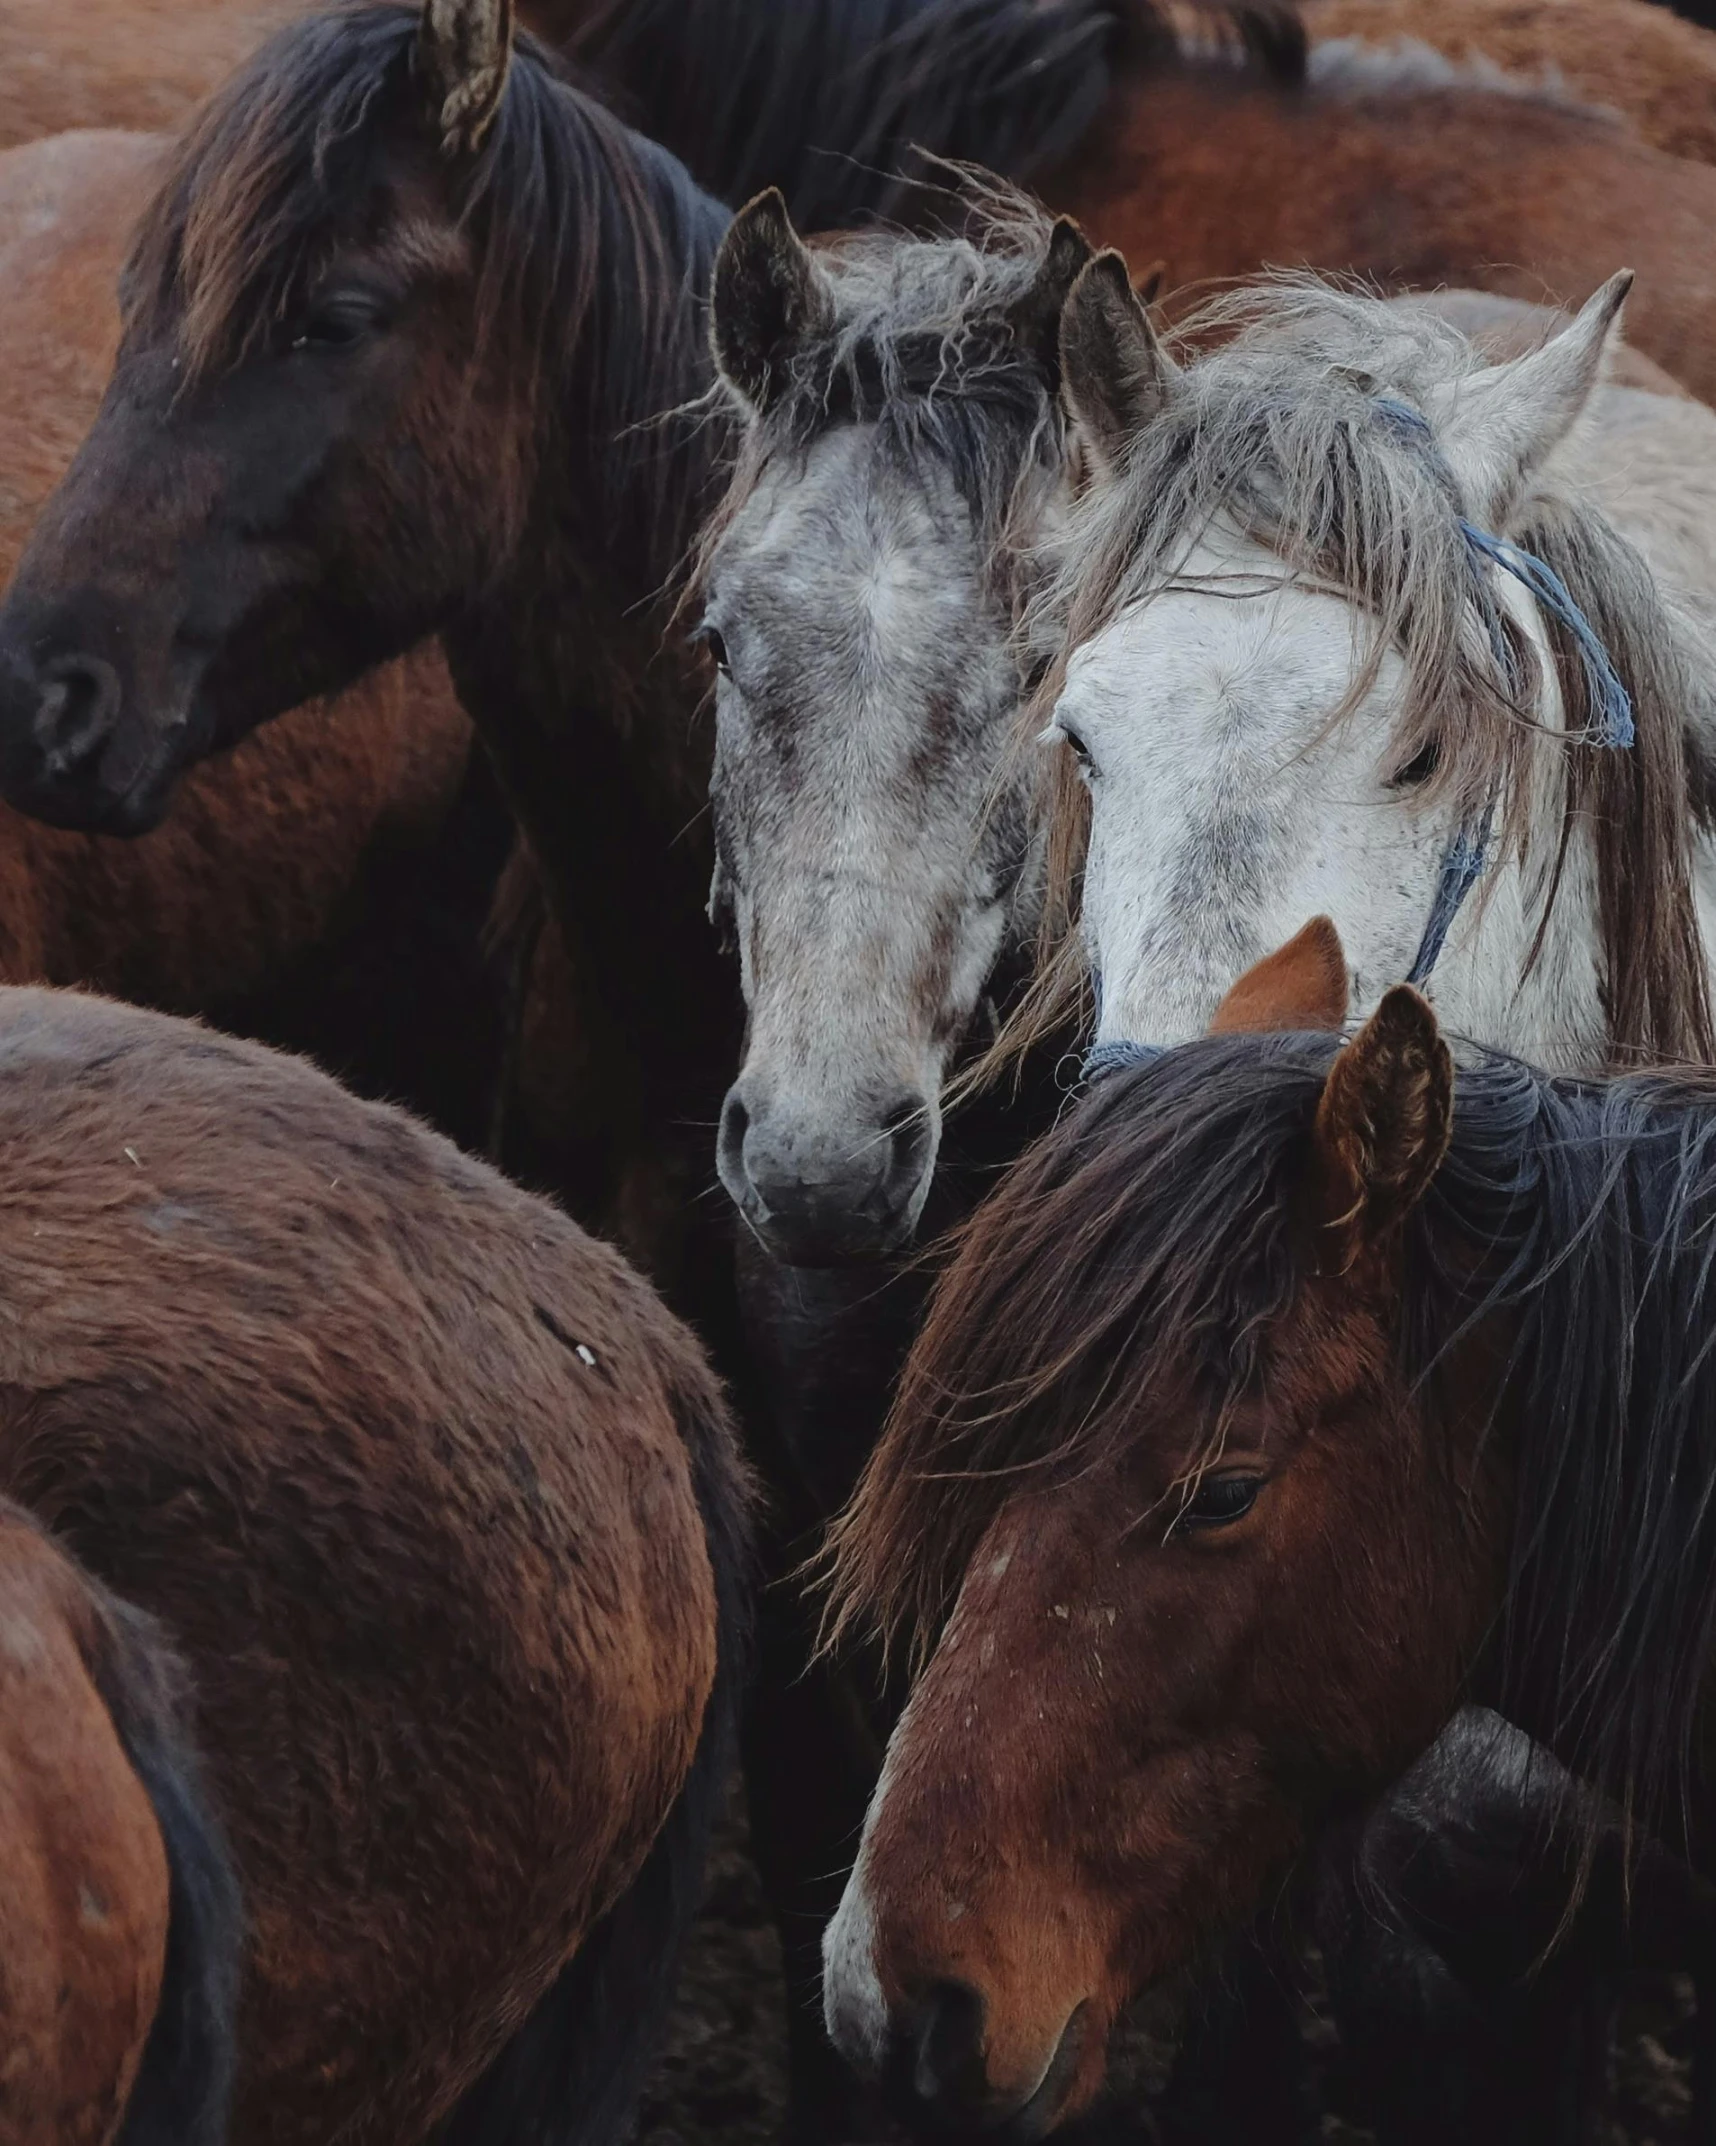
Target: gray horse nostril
<point>730,1149</point>
<point>911,1137</point>
<point>950,2070</point>
<point>76,710</point>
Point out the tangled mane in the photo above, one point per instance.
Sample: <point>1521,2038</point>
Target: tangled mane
<point>926,347</point>
<point>1153,1241</point>
<point>753,93</point>
<point>1290,430</point>
<point>585,239</point>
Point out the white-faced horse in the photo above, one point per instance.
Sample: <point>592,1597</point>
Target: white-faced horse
<point>1360,624</point>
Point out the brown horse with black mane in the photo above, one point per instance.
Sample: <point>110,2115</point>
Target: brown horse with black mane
<point>1284,1398</point>
<point>119,1916</point>
<point>441,1510</point>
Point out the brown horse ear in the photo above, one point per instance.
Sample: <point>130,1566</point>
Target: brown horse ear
<point>1036,316</point>
<point>464,48</point>
<point>767,297</point>
<point>1384,1121</point>
<point>1301,985</point>
<point>1118,376</point>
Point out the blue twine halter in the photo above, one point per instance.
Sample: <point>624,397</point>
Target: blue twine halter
<point>1467,853</point>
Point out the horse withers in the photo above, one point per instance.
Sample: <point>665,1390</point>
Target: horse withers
<point>120,1922</point>
<point>1284,1398</point>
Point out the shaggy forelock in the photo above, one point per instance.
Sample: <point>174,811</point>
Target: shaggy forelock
<point>922,348</point>
<point>1300,430</point>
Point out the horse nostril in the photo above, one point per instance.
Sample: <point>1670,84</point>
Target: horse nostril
<point>911,1136</point>
<point>76,710</point>
<point>730,1150</point>
<point>950,2068</point>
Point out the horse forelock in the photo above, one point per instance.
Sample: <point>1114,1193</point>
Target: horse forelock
<point>922,348</point>
<point>1146,1251</point>
<point>1148,1237</point>
<point>1290,429</point>
<point>584,240</point>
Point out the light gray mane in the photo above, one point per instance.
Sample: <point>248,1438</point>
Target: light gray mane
<point>1300,428</point>
<point>922,347</point>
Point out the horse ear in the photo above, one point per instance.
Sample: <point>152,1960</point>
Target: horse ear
<point>1302,985</point>
<point>1036,316</point>
<point>1496,427</point>
<point>1118,376</point>
<point>1384,1120</point>
<point>464,50</point>
<point>767,297</point>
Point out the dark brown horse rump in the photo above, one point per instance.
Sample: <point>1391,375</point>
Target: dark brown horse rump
<point>1279,1401</point>
<point>119,1917</point>
<point>435,1500</point>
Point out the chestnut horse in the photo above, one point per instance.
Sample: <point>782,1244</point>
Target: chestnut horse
<point>120,1922</point>
<point>440,1508</point>
<point>1282,1399</point>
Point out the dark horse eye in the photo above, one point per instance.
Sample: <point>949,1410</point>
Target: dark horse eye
<point>336,322</point>
<point>1080,751</point>
<point>1418,769</point>
<point>711,639</point>
<point>1219,1499</point>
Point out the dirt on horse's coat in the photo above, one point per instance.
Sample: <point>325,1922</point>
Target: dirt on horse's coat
<point>433,1497</point>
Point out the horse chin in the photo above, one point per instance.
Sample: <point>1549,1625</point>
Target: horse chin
<point>832,1241</point>
<point>89,800</point>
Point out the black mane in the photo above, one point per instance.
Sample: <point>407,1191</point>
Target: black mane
<point>830,99</point>
<point>1157,1227</point>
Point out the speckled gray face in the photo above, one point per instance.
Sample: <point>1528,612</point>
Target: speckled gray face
<point>869,859</point>
<point>903,447</point>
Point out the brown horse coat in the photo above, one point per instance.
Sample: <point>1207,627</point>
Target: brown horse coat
<point>1407,181</point>
<point>83,1869</point>
<point>410,1470</point>
<point>263,848</point>
<point>1631,57</point>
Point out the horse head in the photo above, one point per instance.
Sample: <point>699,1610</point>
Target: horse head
<point>1156,1494</point>
<point>902,444</point>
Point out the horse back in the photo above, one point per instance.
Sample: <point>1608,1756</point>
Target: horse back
<point>417,1474</point>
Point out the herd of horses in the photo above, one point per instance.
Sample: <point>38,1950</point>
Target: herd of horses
<point>468,580</point>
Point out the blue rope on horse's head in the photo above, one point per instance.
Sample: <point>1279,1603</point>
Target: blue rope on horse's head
<point>1464,859</point>
<point>1611,703</point>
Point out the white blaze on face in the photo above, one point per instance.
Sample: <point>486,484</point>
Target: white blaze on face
<point>853,2007</point>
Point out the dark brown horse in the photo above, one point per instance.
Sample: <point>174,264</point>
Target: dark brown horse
<point>119,1915</point>
<point>440,1508</point>
<point>1282,1399</point>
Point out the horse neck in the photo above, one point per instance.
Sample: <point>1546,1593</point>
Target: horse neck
<point>588,715</point>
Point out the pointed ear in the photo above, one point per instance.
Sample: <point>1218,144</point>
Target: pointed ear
<point>1384,1121</point>
<point>1496,427</point>
<point>464,48</point>
<point>768,296</point>
<point>1302,985</point>
<point>1036,316</point>
<point>1116,373</point>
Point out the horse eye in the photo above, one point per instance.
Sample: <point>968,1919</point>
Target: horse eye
<point>1079,749</point>
<point>1219,1500</point>
<point>1418,769</point>
<point>711,640</point>
<point>337,322</point>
